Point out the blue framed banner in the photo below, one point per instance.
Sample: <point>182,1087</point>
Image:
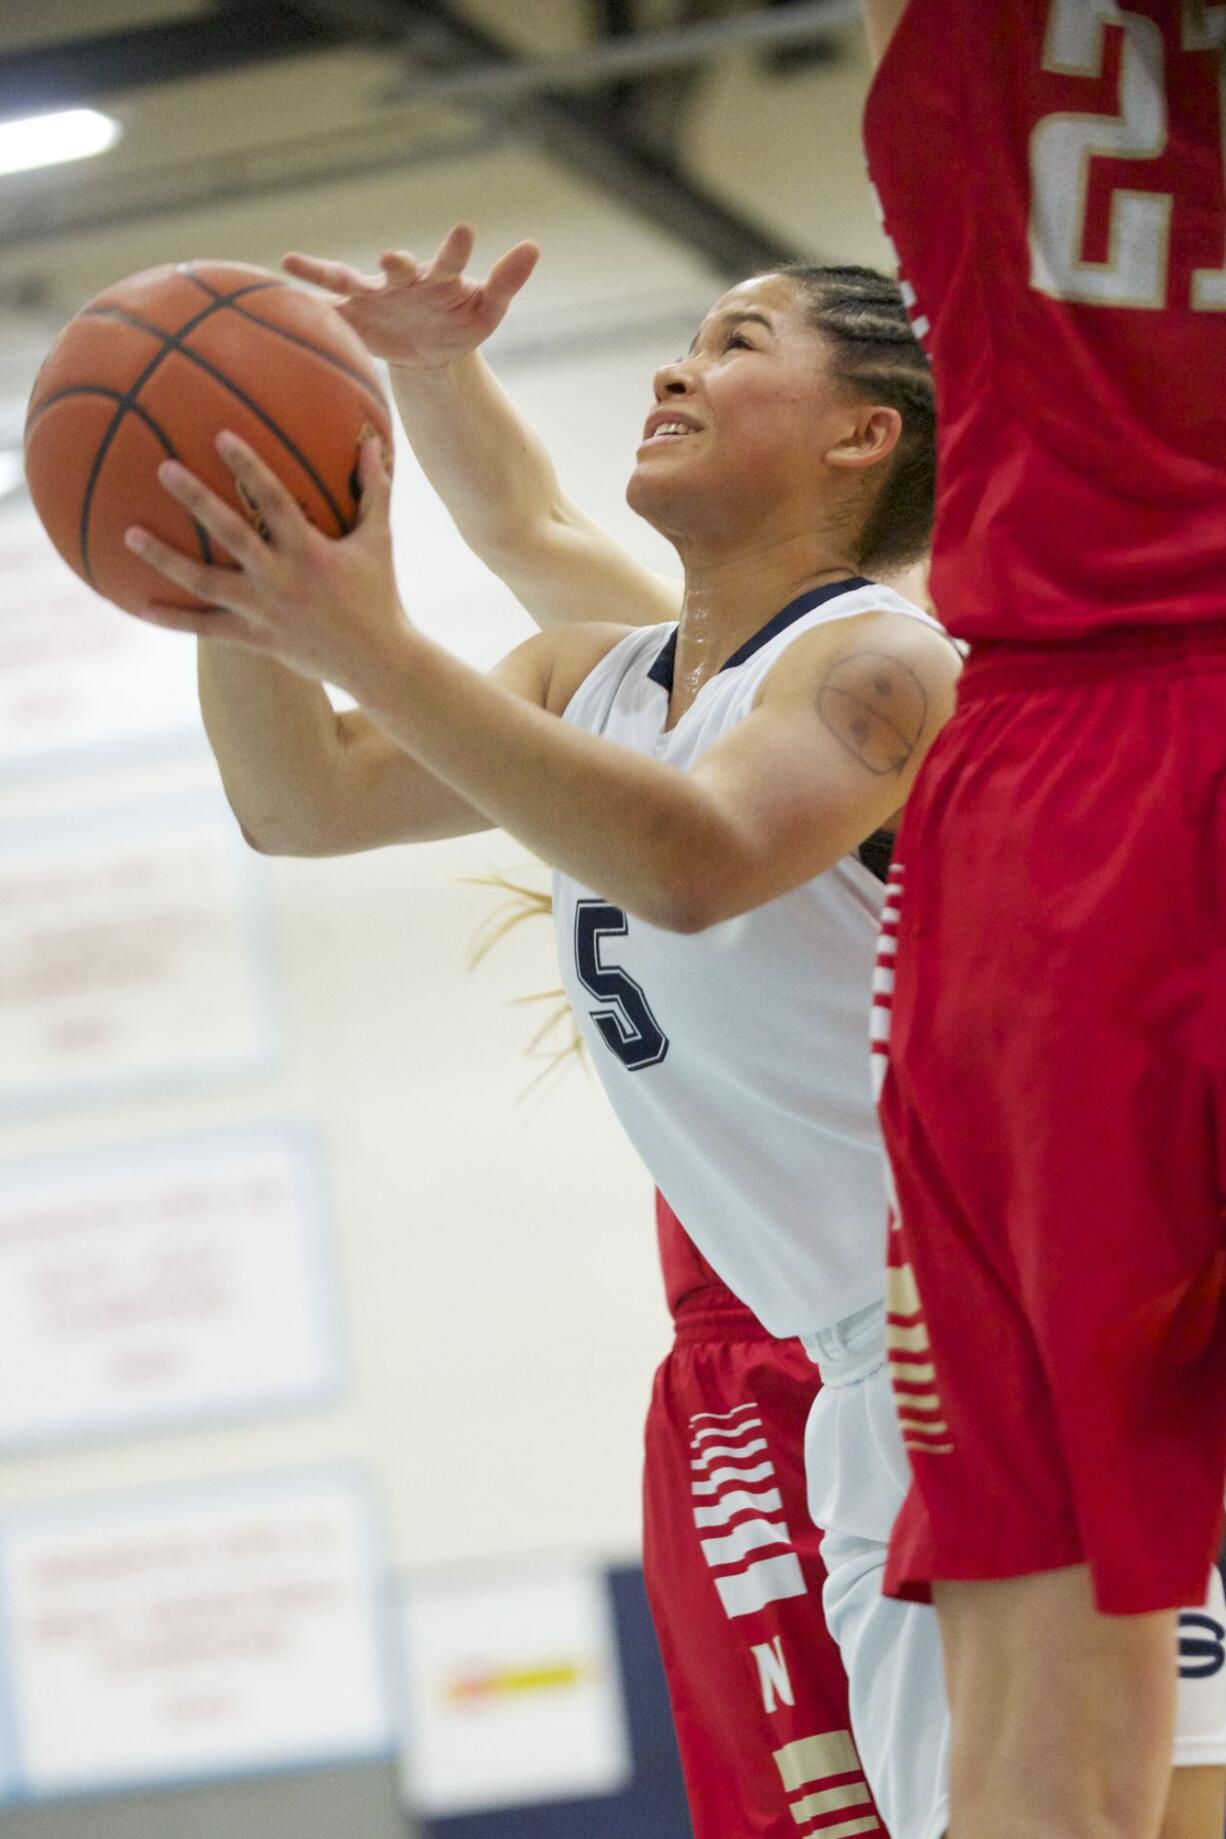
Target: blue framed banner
<point>198,1634</point>
<point>81,684</point>
<point>135,952</point>
<point>155,1284</point>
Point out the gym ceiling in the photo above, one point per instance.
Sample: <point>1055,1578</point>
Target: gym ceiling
<point>725,130</point>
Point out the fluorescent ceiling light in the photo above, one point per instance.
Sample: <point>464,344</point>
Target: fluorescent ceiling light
<point>47,140</point>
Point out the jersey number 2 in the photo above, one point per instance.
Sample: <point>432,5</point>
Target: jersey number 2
<point>1063,146</point>
<point>625,1021</point>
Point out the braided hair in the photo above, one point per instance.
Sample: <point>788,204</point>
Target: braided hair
<point>862,316</point>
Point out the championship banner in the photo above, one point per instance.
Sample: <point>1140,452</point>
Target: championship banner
<point>203,1633</point>
<point>132,952</point>
<point>149,1285</point>
<point>81,684</point>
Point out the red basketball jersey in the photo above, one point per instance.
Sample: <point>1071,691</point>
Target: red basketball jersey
<point>1051,175</point>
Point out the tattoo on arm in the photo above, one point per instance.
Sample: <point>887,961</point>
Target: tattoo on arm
<point>876,707</point>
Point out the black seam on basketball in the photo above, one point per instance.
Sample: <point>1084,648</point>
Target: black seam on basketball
<point>175,342</point>
<point>249,287</point>
<point>355,376</point>
<point>291,447</point>
<point>295,338</point>
<point>371,391</point>
<point>170,342</point>
<point>189,274</point>
<point>364,383</point>
<point>154,426</point>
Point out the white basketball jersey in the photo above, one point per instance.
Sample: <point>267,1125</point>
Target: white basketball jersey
<point>737,1058</point>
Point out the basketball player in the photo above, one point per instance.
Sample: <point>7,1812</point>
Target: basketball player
<point>498,483</point>
<point>686,780</point>
<point>1051,172</point>
<point>747,1678</point>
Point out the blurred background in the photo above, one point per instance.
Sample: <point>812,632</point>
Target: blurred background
<point>327,1342</point>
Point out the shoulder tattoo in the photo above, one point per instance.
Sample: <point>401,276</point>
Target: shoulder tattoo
<point>876,708</point>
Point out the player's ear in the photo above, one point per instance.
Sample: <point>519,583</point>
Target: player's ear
<point>873,435</point>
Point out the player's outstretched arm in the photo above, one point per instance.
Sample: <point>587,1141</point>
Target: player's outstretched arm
<point>880,19</point>
<point>302,779</point>
<point>822,762</point>
<point>485,461</point>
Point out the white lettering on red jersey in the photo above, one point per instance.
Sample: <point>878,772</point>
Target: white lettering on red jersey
<point>1051,175</point>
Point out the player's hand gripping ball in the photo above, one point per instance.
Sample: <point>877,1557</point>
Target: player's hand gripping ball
<point>154,369</point>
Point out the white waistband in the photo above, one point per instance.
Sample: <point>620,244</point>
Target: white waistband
<point>851,1349</point>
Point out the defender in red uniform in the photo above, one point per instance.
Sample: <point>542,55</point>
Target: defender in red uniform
<point>757,1687</point>
<point>1051,172</point>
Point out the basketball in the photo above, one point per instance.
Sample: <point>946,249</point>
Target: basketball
<point>153,369</point>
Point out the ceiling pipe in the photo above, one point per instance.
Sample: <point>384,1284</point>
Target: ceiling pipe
<point>615,59</point>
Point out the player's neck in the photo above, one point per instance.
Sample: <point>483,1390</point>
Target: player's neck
<point>730,597</point>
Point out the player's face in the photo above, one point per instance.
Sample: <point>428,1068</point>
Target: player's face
<point>739,425</point>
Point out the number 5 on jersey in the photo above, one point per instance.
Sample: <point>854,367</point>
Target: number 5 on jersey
<point>626,1023</point>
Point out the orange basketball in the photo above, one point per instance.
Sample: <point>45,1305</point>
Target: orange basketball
<point>155,368</point>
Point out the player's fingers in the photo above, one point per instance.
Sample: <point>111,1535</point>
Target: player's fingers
<point>510,272</point>
<point>337,277</point>
<point>399,265</point>
<point>453,253</point>
<point>263,493</point>
<point>374,479</point>
<point>217,517</point>
<point>215,586</point>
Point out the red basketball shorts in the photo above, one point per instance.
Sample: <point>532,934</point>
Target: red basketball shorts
<point>1051,1022</point>
<point>730,1556</point>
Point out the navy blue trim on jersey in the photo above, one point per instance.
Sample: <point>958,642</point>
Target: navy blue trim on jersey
<point>661,671</point>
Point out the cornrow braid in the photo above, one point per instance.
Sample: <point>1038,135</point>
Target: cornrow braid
<point>863,317</point>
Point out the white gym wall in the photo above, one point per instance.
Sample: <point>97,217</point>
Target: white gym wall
<point>492,1254</point>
